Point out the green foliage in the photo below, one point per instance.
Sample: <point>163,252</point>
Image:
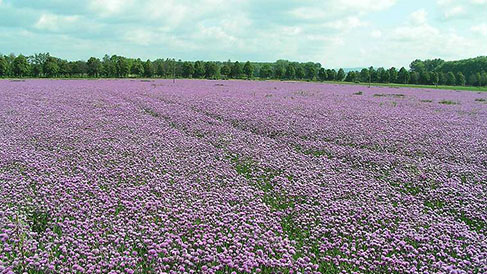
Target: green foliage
<point>122,67</point>
<point>225,71</point>
<point>450,79</point>
<point>3,66</point>
<point>393,75</point>
<point>137,68</point>
<point>20,66</point>
<point>351,76</point>
<point>417,66</point>
<point>51,67</point>
<point>291,72</point>
<point>300,72</point>
<point>447,102</point>
<point>280,69</point>
<point>332,74</point>
<point>94,67</point>
<point>199,69</point>
<point>265,71</point>
<point>211,70</point>
<point>188,69</point>
<point>460,79</point>
<point>310,70</point>
<point>160,69</point>
<point>322,75</point>
<point>39,221</point>
<point>364,75</point>
<point>148,68</point>
<point>403,76</point>
<point>236,70</point>
<point>340,75</point>
<point>248,69</point>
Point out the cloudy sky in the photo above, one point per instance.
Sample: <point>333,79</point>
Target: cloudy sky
<point>336,33</point>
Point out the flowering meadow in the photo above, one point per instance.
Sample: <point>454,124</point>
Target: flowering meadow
<point>151,176</point>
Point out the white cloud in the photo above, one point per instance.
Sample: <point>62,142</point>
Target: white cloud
<point>376,34</point>
<point>53,22</point>
<point>345,24</point>
<point>454,11</point>
<point>109,7</point>
<point>366,5</point>
<point>480,29</point>
<point>418,17</point>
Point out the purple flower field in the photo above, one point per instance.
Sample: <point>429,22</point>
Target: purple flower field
<point>142,176</point>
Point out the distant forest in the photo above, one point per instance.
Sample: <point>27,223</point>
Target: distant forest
<point>470,72</point>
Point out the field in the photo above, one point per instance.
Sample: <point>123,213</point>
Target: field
<point>151,176</point>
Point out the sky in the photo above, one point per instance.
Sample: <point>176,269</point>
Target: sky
<point>335,33</point>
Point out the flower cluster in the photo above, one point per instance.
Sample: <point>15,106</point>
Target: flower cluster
<point>129,176</point>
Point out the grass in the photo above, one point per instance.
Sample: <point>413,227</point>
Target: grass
<point>394,85</point>
<point>448,102</point>
<point>391,85</point>
<point>396,95</point>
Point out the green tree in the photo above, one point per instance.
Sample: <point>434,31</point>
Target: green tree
<point>414,77</point>
<point>461,79</point>
<point>364,75</point>
<point>374,76</point>
<point>248,69</point>
<point>280,69</point>
<point>475,79</point>
<point>160,69</point>
<point>351,76</point>
<point>137,68</point>
<point>148,68</point>
<point>171,68</point>
<point>386,77</point>
<point>211,70</point>
<point>188,69</point>
<point>322,75</point>
<point>236,71</point>
<point>424,78</point>
<point>417,66</point>
<point>403,76</point>
<point>332,74</point>
<point>310,70</point>
<point>265,71</point>
<point>94,67</point>
<point>483,78</point>
<point>393,74</point>
<point>199,69</point>
<point>20,66</point>
<point>290,72</point>
<point>64,68</point>
<point>3,66</point>
<point>225,70</point>
<point>122,67</point>
<point>300,73</point>
<point>51,67</point>
<point>435,78</point>
<point>340,75</point>
<point>109,66</point>
<point>450,79</point>
<point>442,77</point>
<point>433,64</point>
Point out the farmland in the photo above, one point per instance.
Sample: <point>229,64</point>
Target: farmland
<point>207,176</point>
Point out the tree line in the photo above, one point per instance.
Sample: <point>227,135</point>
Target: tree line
<point>427,72</point>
